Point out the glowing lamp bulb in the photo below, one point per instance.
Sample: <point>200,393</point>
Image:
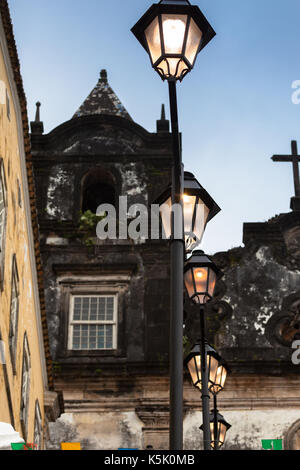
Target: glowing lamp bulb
<point>174,31</point>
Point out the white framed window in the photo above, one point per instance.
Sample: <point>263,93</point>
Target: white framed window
<point>38,427</point>
<point>93,322</point>
<point>2,206</point>
<point>14,313</point>
<point>25,387</point>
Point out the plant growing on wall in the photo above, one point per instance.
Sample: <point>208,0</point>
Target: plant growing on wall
<point>87,226</point>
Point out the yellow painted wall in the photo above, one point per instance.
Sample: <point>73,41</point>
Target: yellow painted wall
<point>17,242</point>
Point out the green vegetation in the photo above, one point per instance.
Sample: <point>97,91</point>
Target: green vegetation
<point>87,226</point>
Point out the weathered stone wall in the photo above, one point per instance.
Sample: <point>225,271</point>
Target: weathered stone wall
<point>249,428</point>
<point>100,431</point>
<point>262,287</point>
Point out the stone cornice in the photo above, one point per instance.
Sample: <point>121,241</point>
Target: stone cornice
<point>88,122</point>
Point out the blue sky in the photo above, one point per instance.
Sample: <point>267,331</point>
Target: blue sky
<point>235,107</point>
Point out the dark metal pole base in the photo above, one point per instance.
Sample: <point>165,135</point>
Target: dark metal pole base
<point>204,385</point>
<point>176,347</point>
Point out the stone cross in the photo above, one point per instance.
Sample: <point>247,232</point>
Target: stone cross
<point>295,159</point>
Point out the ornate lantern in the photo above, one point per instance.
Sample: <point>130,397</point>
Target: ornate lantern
<point>198,209</point>
<point>200,277</point>
<point>173,32</point>
<point>193,364</point>
<point>218,429</point>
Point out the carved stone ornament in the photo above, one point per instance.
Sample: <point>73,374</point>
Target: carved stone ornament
<point>154,418</point>
<point>156,426</point>
<point>292,241</point>
<point>292,437</point>
<point>284,327</point>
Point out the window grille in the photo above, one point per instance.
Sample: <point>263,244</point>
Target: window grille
<point>93,322</point>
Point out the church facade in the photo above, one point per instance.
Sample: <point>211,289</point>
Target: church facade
<point>107,301</point>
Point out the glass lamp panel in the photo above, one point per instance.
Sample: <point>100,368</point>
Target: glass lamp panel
<point>222,433</point>
<point>201,277</point>
<point>213,369</point>
<point>222,375</point>
<point>220,380</point>
<point>165,212</point>
<point>181,68</point>
<point>212,438</point>
<point>173,66</point>
<point>188,212</point>
<point>200,299</point>
<point>193,42</point>
<point>174,27</point>
<point>212,282</point>
<point>213,372</point>
<point>201,219</point>
<point>169,66</point>
<point>163,68</point>
<point>152,34</point>
<point>194,366</point>
<point>189,284</point>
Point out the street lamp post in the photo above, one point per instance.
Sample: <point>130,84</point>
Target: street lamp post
<point>173,32</point>
<point>200,277</point>
<point>202,363</point>
<point>198,209</point>
<point>204,389</point>
<point>218,427</point>
<point>214,426</point>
